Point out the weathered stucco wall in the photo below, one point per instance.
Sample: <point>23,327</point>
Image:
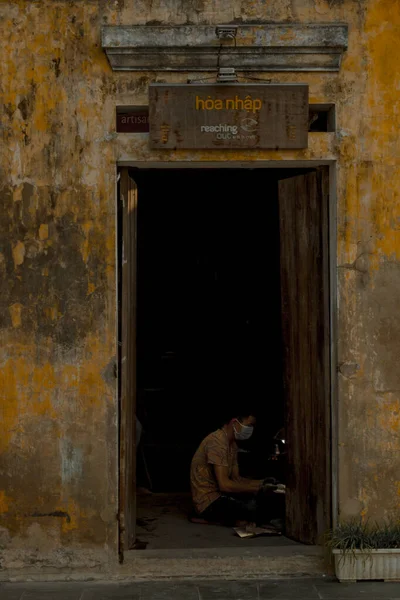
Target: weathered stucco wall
<point>58,401</point>
<point>58,491</point>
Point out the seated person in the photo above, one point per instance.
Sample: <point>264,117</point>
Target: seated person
<point>219,494</point>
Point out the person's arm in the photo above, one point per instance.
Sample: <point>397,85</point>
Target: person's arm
<point>232,486</point>
<point>236,477</point>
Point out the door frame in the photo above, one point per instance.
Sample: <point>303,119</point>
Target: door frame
<point>331,167</point>
<point>127,377</point>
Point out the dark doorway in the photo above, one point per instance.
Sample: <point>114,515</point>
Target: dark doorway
<point>209,330</point>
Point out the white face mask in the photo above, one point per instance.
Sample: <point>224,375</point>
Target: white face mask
<point>245,433</point>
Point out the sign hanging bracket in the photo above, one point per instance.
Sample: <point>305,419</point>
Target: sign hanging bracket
<point>226,32</point>
<point>226,75</point>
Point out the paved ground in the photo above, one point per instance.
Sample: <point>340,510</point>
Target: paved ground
<point>294,589</point>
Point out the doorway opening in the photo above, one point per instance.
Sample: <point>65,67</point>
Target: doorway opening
<point>228,302</point>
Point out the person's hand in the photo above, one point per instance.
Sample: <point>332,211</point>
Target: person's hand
<point>268,487</point>
<point>270,480</point>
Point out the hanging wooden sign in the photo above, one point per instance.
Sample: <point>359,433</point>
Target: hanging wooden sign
<point>228,116</point>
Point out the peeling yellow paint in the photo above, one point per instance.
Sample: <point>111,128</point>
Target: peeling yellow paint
<point>52,312</point>
<point>9,402</point>
<point>15,313</point>
<point>43,231</point>
<point>86,227</point>
<point>4,502</point>
<point>19,253</point>
<point>74,514</point>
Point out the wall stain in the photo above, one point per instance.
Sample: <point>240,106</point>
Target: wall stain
<point>55,513</point>
<point>56,66</point>
<point>27,105</point>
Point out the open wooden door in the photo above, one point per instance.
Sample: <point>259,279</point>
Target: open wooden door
<point>303,205</point>
<point>127,448</point>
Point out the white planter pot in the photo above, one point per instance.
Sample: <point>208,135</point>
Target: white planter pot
<point>376,564</point>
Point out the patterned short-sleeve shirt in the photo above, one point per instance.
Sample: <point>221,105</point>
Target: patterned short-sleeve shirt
<point>213,450</point>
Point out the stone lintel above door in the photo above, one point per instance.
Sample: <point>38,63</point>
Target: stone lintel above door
<point>266,47</point>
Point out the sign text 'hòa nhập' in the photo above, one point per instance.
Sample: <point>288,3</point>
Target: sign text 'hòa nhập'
<point>248,103</point>
<point>228,116</point>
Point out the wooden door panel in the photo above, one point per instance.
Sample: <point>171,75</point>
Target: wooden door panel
<point>303,205</point>
<point>127,488</point>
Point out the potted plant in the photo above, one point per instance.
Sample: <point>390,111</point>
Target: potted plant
<point>366,551</point>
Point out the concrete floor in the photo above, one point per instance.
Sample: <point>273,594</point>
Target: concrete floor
<point>293,589</point>
<point>162,523</point>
